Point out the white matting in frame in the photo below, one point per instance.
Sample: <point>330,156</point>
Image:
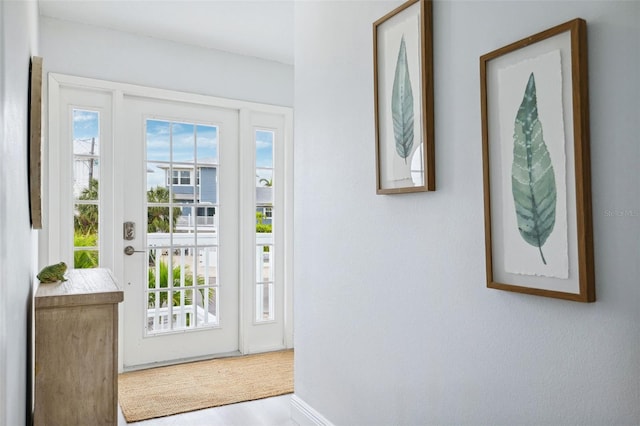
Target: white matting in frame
<point>546,62</point>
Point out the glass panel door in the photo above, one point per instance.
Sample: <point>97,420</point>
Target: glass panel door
<point>182,195</point>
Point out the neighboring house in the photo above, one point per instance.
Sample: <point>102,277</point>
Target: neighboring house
<point>264,203</point>
<point>202,189</point>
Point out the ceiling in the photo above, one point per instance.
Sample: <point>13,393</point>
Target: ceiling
<point>258,28</point>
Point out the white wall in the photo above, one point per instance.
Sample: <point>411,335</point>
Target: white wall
<point>393,323</point>
<point>18,42</point>
<point>87,51</point>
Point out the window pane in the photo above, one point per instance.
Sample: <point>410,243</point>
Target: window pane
<point>158,140</point>
<point>264,302</point>
<point>208,188</point>
<point>158,311</point>
<point>156,259</point>
<point>183,191</point>
<point>264,149</point>
<point>207,141</point>
<point>85,224</point>
<point>264,178</point>
<point>86,175</point>
<point>185,225</point>
<point>157,175</point>
<point>85,259</point>
<point>86,132</point>
<point>208,265</point>
<point>181,274</point>
<point>264,263</point>
<point>160,220</point>
<point>183,142</point>
<point>206,306</point>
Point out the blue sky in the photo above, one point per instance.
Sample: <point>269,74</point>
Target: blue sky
<point>185,137</point>
<point>264,157</point>
<point>86,126</point>
<point>264,148</point>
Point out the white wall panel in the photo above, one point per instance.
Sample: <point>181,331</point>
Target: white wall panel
<point>393,323</point>
<point>95,52</point>
<point>18,42</point>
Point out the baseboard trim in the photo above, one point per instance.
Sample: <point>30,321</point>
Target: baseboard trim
<point>305,415</point>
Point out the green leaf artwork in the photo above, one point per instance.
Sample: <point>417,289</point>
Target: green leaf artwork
<point>402,105</point>
<point>532,179</point>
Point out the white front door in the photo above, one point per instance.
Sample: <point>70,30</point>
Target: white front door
<point>198,191</point>
<point>181,200</point>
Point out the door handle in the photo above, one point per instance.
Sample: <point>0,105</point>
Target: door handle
<point>129,250</point>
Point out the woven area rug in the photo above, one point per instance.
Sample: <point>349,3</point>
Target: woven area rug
<point>164,391</point>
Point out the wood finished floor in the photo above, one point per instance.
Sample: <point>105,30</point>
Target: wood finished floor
<point>275,411</point>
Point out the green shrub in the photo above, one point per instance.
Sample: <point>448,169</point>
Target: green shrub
<point>158,218</point>
<point>175,279</point>
<point>85,221</point>
<point>263,228</point>
<point>84,259</point>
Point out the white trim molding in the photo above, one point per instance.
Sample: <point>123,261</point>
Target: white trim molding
<point>305,415</point>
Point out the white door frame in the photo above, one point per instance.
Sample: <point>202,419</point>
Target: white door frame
<point>50,237</point>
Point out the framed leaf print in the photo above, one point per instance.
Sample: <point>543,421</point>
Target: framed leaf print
<point>537,178</point>
<point>403,99</point>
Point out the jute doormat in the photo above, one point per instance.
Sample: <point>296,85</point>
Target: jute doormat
<point>164,391</point>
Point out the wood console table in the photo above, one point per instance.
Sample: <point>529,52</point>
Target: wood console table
<point>76,350</point>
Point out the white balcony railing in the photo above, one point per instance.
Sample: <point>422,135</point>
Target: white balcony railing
<point>184,317</point>
<point>202,259</point>
<point>188,221</point>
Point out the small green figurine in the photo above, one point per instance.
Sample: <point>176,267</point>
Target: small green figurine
<point>53,273</point>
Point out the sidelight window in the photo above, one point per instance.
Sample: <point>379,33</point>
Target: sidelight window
<point>86,185</point>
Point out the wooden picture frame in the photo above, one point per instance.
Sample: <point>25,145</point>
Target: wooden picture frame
<point>537,177</point>
<point>403,99</point>
<point>35,144</point>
